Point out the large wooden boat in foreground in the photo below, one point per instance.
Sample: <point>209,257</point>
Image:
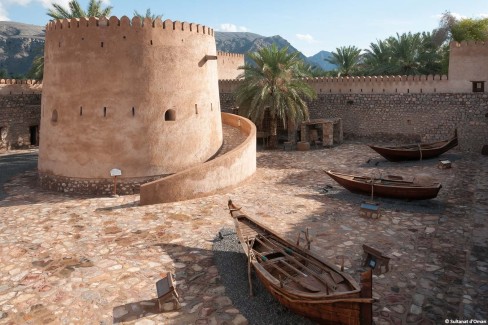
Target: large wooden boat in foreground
<point>300,280</point>
<point>388,186</point>
<point>416,151</point>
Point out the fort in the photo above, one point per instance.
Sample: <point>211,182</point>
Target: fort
<point>153,112</point>
<point>171,87</point>
<point>162,91</point>
<point>426,108</point>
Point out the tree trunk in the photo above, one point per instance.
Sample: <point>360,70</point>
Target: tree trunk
<point>273,125</point>
<point>292,131</point>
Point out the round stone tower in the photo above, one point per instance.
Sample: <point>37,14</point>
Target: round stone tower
<point>140,96</point>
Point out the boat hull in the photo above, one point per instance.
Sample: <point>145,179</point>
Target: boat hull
<point>416,152</point>
<point>323,313</point>
<point>352,306</point>
<point>397,191</point>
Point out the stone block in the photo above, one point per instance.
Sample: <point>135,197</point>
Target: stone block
<point>303,146</point>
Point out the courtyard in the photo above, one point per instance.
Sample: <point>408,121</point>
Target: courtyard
<point>68,259</point>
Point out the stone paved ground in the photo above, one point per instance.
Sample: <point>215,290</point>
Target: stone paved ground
<point>75,260</point>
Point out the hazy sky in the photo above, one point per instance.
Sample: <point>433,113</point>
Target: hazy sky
<point>308,25</point>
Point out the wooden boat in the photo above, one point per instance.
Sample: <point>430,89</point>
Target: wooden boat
<point>388,186</point>
<point>300,280</point>
<point>416,151</point>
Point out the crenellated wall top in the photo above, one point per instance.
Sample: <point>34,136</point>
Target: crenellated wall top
<point>230,81</point>
<point>20,82</point>
<point>377,78</point>
<point>232,55</point>
<point>466,44</point>
<point>136,23</point>
<point>356,79</point>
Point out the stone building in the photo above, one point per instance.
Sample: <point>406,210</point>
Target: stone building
<point>84,139</point>
<point>20,114</point>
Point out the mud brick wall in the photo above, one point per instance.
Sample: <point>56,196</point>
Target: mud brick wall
<point>18,112</point>
<point>404,116</point>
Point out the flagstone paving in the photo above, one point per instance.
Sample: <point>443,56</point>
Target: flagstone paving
<point>78,260</point>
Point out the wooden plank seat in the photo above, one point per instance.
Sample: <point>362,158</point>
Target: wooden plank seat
<point>166,291</point>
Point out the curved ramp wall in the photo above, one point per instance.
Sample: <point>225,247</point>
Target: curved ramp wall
<point>216,175</point>
<point>140,96</point>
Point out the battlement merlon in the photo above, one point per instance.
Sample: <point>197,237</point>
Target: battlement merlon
<point>126,22</point>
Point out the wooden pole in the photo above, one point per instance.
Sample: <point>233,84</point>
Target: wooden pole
<point>115,185</point>
<point>372,186</point>
<point>249,252</point>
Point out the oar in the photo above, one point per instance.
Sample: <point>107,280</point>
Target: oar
<point>249,250</point>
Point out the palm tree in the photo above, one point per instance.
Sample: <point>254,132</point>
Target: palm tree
<point>37,68</point>
<point>74,10</point>
<point>406,50</point>
<point>407,54</point>
<point>432,54</point>
<point>377,59</point>
<point>147,15</point>
<point>346,58</point>
<point>273,82</point>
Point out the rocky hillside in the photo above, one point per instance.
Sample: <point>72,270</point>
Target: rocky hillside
<point>238,42</point>
<point>319,60</point>
<point>19,45</point>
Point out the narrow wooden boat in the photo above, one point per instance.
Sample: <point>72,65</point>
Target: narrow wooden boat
<point>388,186</point>
<point>416,151</point>
<point>300,280</point>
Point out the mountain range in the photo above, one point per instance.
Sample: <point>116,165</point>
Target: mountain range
<point>21,43</point>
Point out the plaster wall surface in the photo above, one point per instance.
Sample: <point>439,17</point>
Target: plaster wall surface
<point>134,95</point>
<point>228,65</point>
<point>468,61</point>
<point>213,176</point>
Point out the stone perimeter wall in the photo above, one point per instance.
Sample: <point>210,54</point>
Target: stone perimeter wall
<point>426,117</point>
<point>17,114</point>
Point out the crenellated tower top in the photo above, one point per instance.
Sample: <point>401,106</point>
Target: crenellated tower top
<point>126,22</point>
